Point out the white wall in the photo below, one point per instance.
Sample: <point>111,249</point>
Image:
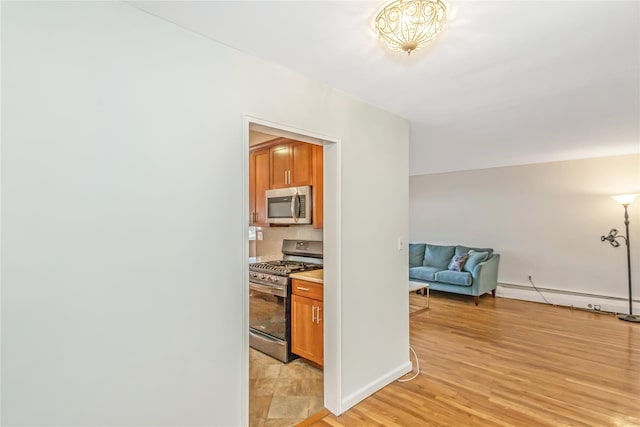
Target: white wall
<point>122,288</point>
<point>544,219</point>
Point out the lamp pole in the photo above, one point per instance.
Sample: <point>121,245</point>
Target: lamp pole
<point>625,200</point>
<point>628,317</point>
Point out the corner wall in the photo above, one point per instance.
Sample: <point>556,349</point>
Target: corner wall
<point>544,219</point>
<point>124,245</point>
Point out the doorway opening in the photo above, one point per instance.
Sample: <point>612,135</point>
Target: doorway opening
<point>272,389</point>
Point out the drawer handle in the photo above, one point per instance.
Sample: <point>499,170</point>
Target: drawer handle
<point>302,289</point>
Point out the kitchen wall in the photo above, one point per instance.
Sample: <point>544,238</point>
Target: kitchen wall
<point>271,244</point>
<point>256,138</point>
<point>124,221</point>
<point>544,219</point>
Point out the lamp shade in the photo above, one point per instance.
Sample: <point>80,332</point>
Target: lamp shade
<point>625,199</point>
<point>407,25</point>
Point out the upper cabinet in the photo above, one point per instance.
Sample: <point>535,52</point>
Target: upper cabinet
<point>317,185</point>
<point>284,163</point>
<point>291,164</point>
<point>258,185</point>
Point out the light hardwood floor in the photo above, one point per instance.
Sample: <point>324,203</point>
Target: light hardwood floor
<point>510,363</point>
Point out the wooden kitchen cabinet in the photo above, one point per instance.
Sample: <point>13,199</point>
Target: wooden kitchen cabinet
<point>258,185</point>
<point>307,324</point>
<point>291,164</point>
<point>317,184</point>
<point>282,163</point>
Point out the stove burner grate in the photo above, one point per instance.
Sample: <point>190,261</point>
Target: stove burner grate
<point>283,267</point>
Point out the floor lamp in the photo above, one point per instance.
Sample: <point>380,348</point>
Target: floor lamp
<point>625,200</point>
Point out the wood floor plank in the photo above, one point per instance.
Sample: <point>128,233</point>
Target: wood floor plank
<point>510,363</point>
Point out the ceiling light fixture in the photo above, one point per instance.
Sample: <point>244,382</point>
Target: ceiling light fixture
<point>407,25</point>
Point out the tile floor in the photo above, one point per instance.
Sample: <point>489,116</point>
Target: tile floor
<point>282,395</point>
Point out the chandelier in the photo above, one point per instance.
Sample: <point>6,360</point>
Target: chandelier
<point>407,25</point>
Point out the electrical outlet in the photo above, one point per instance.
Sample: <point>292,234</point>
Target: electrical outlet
<point>529,277</point>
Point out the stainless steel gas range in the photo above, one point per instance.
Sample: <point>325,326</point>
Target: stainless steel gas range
<point>270,296</point>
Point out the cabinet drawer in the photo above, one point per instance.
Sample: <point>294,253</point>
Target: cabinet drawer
<point>307,289</point>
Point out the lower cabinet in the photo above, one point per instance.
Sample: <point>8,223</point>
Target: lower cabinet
<point>307,325</point>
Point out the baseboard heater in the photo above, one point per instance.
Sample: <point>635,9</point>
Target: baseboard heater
<point>581,300</point>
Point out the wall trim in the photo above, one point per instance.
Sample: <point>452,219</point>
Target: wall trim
<point>375,385</point>
<point>332,238</point>
<point>573,299</point>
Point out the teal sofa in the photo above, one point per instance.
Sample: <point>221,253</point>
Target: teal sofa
<point>478,275</point>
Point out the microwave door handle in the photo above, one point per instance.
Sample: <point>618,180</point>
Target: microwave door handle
<point>297,209</point>
<point>294,209</point>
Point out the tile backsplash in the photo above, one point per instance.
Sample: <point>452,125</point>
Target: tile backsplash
<point>271,244</point>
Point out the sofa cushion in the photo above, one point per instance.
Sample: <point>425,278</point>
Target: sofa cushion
<point>465,249</point>
<point>416,254</point>
<point>474,259</point>
<point>438,256</point>
<point>423,273</point>
<point>457,262</point>
<point>461,278</point>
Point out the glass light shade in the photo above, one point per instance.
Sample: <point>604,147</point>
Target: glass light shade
<point>625,199</point>
<point>407,25</point>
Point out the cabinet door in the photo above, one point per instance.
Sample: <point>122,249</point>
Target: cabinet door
<point>252,187</point>
<point>258,185</point>
<point>307,335</point>
<point>317,166</point>
<point>318,337</point>
<point>262,185</point>
<point>300,170</point>
<point>280,165</point>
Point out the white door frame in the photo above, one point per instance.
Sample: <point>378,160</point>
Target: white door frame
<point>332,257</point>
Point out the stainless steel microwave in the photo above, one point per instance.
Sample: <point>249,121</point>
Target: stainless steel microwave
<point>289,205</point>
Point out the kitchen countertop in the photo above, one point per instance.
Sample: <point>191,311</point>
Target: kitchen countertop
<point>316,276</point>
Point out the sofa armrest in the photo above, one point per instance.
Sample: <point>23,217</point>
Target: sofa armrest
<point>485,275</point>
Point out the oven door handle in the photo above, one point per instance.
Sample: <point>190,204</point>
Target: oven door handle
<point>280,291</point>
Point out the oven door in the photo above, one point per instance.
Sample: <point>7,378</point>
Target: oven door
<point>268,309</point>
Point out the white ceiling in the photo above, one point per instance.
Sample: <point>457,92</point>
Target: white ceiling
<point>506,82</point>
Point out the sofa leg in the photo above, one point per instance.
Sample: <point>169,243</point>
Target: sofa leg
<point>476,299</point>
<point>493,293</point>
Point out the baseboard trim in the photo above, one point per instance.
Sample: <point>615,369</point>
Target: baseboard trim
<point>314,418</point>
<point>374,386</point>
<point>580,300</point>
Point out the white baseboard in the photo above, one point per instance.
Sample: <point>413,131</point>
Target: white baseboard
<point>567,298</point>
<point>374,386</point>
